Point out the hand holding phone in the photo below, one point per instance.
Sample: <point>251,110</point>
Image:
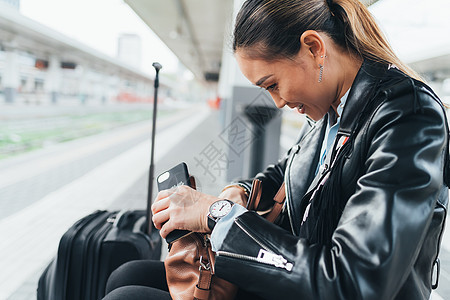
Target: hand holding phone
<point>172,178</point>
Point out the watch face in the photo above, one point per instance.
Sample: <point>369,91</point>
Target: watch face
<point>220,208</point>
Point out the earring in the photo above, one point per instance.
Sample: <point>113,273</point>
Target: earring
<point>320,72</point>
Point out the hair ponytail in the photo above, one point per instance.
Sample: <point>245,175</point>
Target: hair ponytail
<point>364,36</point>
<point>271,28</point>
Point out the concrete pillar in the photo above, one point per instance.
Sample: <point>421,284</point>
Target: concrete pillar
<point>109,88</point>
<point>11,76</point>
<point>104,88</point>
<point>113,87</point>
<point>29,84</point>
<point>83,85</point>
<point>53,78</point>
<point>251,122</point>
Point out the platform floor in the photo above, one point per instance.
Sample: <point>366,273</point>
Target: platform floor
<point>44,192</point>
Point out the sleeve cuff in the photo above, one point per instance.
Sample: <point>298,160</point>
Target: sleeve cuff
<point>223,225</point>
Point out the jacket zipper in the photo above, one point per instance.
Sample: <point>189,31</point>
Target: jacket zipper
<point>291,159</point>
<point>265,255</point>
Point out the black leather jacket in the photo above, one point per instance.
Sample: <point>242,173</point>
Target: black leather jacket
<point>389,232</point>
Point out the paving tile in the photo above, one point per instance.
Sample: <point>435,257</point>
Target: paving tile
<point>37,227</point>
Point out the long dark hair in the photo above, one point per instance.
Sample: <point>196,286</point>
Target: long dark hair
<point>272,29</point>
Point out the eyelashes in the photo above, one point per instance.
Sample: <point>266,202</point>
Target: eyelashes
<point>271,87</point>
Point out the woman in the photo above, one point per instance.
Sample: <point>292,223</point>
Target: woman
<point>365,192</point>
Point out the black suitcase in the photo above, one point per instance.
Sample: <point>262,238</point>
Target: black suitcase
<point>91,249</point>
<point>99,243</point>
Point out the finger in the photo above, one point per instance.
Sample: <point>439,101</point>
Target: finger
<point>160,218</point>
<point>166,229</point>
<point>163,194</point>
<point>160,205</point>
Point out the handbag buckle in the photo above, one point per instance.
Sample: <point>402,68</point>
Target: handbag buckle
<point>206,266</point>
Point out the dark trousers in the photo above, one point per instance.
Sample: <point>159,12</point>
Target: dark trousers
<point>140,279</point>
<point>145,280</point>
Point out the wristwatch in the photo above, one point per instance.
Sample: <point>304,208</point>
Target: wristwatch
<point>217,210</point>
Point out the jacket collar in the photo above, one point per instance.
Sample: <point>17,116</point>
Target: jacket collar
<point>364,86</point>
<point>361,93</point>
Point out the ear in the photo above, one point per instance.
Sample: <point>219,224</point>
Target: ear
<point>313,45</point>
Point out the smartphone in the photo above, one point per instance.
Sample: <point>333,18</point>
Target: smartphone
<point>172,178</point>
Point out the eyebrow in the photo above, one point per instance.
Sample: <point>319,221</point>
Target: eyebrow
<point>261,81</point>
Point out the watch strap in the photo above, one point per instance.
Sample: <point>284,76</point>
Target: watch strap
<point>211,222</point>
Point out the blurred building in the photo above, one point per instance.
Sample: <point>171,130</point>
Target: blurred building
<point>40,65</point>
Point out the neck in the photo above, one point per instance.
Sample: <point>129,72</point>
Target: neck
<point>348,67</point>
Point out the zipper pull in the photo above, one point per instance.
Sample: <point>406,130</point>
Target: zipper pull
<point>270,258</point>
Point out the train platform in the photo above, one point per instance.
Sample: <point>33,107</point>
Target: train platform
<point>44,192</point>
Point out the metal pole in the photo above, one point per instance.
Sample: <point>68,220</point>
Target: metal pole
<point>157,67</point>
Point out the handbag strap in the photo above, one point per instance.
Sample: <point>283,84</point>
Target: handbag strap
<point>255,197</point>
<point>203,287</point>
<point>279,199</point>
<point>192,182</point>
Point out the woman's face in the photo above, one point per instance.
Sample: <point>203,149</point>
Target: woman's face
<point>291,82</point>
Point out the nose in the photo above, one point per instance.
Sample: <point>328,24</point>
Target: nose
<point>279,102</point>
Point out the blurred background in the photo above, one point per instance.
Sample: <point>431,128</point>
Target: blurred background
<point>76,101</point>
